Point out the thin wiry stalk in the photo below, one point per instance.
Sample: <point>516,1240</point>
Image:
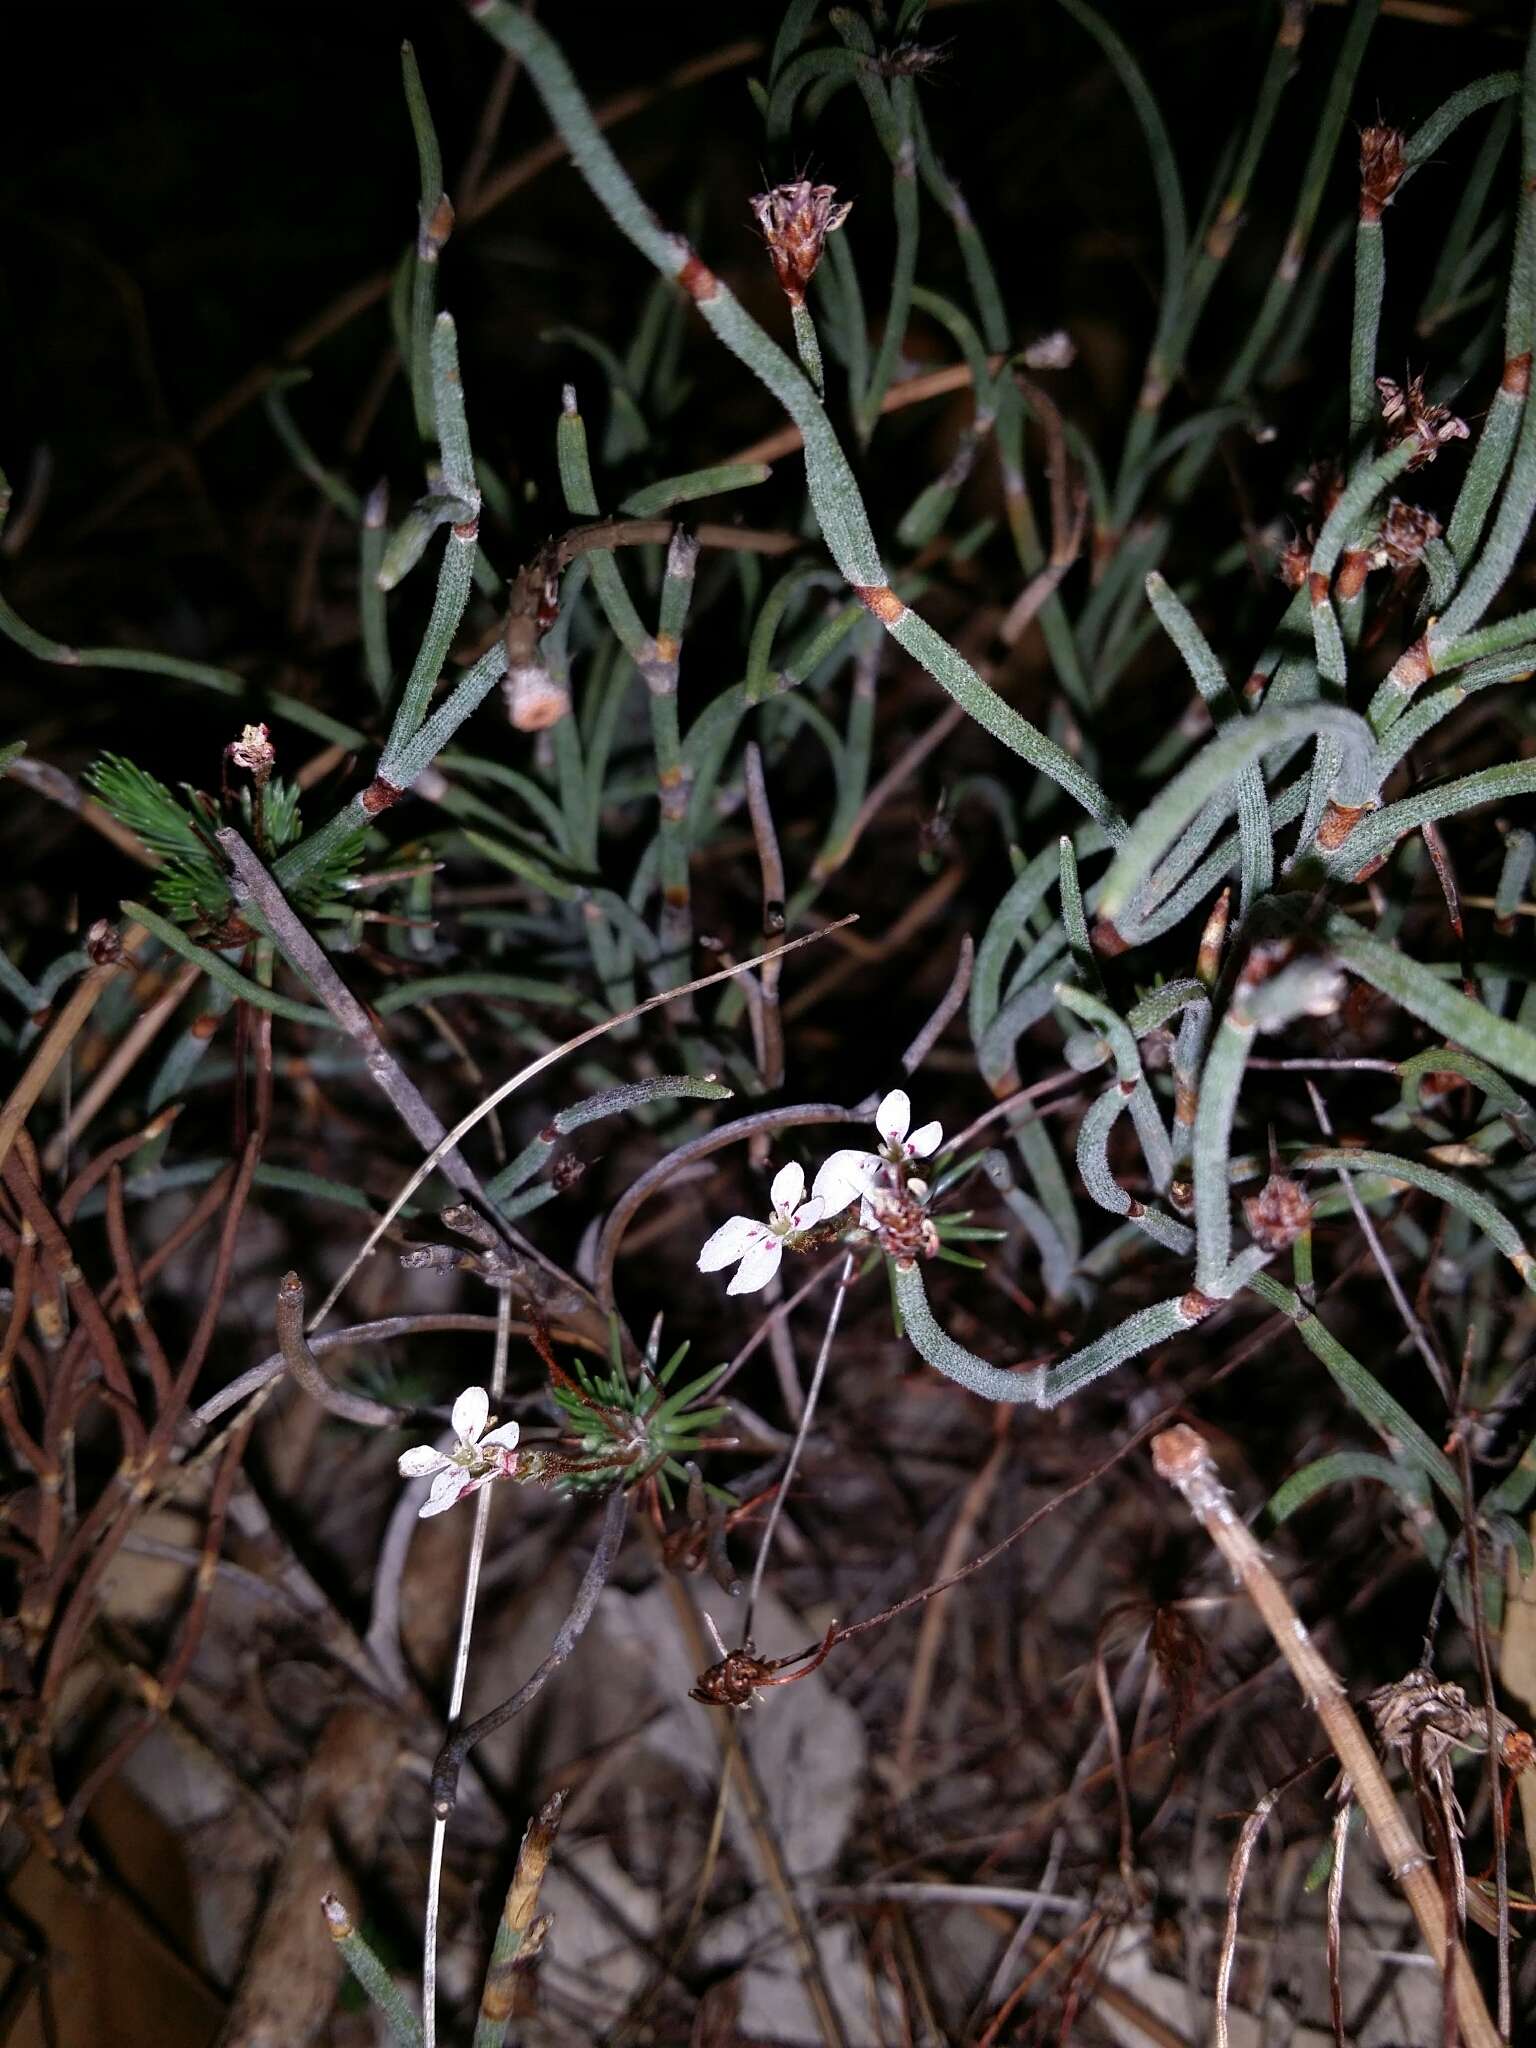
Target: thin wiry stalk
<point>460,1678</point>
<point>813,1395</point>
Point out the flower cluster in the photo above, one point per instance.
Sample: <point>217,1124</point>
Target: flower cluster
<point>890,1198</point>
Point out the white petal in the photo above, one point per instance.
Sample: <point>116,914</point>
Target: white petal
<point>787,1187</point>
<point>447,1487</point>
<point>808,1213</point>
<point>419,1461</point>
<point>893,1116</point>
<point>923,1142</point>
<point>842,1178</point>
<point>758,1266</point>
<point>470,1413</point>
<point>729,1243</point>
<point>505,1438</point>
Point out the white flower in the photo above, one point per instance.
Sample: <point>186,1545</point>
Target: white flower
<point>754,1248</point>
<point>850,1176</point>
<point>474,1460</point>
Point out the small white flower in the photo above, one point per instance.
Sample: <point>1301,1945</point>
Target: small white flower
<point>473,1462</point>
<point>849,1176</point>
<point>754,1248</point>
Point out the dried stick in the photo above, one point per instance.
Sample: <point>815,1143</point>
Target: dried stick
<point>305,1367</point>
<point>1182,1457</point>
<point>949,1003</point>
<point>788,439</point>
<point>906,764</point>
<point>140,1034</point>
<point>254,885</point>
<point>553,1291</point>
<point>19,1174</point>
<point>925,1657</point>
<point>519,1936</point>
<point>1237,1875</point>
<point>159,1693</point>
<point>445,1772</point>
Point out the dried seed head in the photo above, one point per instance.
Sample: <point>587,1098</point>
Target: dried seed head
<point>533,698</point>
<point>1411,417</point>
<point>1439,1715</point>
<point>1381,169</point>
<point>255,753</point>
<point>1278,1214</point>
<point>901,1225</point>
<point>1405,533</point>
<point>104,944</point>
<point>796,220</point>
<point>733,1682</point>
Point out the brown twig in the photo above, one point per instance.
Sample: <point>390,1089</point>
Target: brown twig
<point>159,1693</point>
<point>1182,1457</point>
<point>973,1505</point>
<point>787,440</point>
<point>141,1034</point>
<point>305,1367</point>
<point>538,1278</point>
<point>949,1003</point>
<point>60,1036</point>
<point>55,1251</point>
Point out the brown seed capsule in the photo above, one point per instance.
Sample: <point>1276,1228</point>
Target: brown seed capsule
<point>796,220</point>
